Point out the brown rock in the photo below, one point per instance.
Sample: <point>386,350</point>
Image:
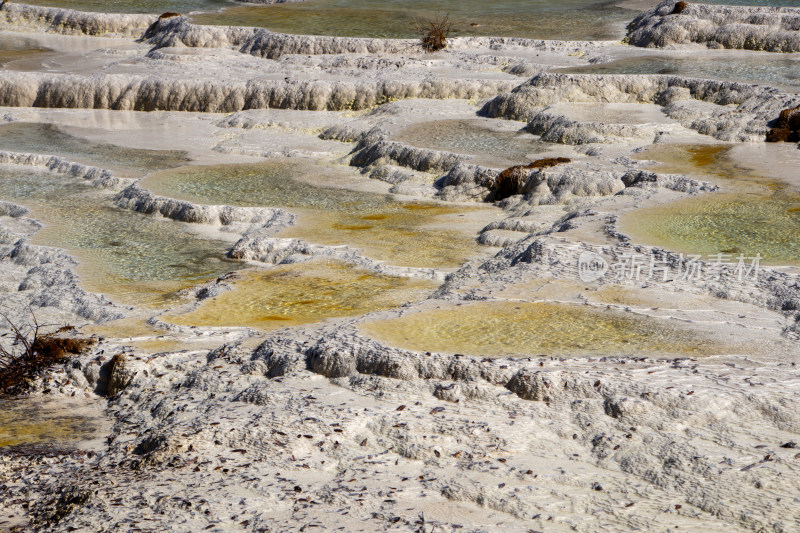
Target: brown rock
<point>118,377</point>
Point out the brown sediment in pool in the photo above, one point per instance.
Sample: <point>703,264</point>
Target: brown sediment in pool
<point>507,328</point>
<point>397,236</point>
<point>695,160</point>
<point>30,422</point>
<point>303,293</point>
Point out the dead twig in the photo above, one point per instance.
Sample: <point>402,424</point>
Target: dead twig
<point>34,352</point>
<point>433,33</point>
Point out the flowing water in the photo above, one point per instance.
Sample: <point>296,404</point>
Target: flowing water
<point>133,258</point>
<point>382,227</point>
<point>289,295</point>
<point>750,215</point>
<point>496,329</point>
<point>49,139</point>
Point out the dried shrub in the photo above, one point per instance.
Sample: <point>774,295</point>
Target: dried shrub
<point>512,180</point>
<point>787,127</point>
<point>434,33</point>
<point>31,352</point>
<point>679,8</point>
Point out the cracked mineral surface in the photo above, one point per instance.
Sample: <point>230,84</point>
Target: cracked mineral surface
<point>336,283</point>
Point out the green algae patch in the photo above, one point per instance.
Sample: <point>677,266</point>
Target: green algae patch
<point>496,329</point>
<point>304,293</point>
<point>751,215</point>
<point>765,223</point>
<point>132,258</point>
<point>383,228</point>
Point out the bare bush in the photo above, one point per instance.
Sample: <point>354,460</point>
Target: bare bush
<point>433,33</point>
<point>30,352</point>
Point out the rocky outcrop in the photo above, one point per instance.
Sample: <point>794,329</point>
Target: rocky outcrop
<point>787,127</point>
<point>143,93</point>
<point>8,209</point>
<point>234,218</point>
<point>728,111</point>
<point>264,43</point>
<point>541,186</point>
<point>45,277</point>
<point>421,159</point>
<point>557,128</point>
<point>97,176</point>
<point>71,22</point>
<point>774,29</point>
<point>113,376</point>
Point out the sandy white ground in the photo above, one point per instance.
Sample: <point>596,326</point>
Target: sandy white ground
<point>321,427</point>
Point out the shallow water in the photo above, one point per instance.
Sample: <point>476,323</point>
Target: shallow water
<point>543,19</point>
<point>289,295</point>
<point>762,3</point>
<point>49,139</point>
<point>136,6</point>
<point>385,229</point>
<point>751,215</point>
<point>13,47</point>
<point>474,137</point>
<point>30,422</point>
<point>496,329</point>
<point>132,258</point>
<point>773,69</point>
